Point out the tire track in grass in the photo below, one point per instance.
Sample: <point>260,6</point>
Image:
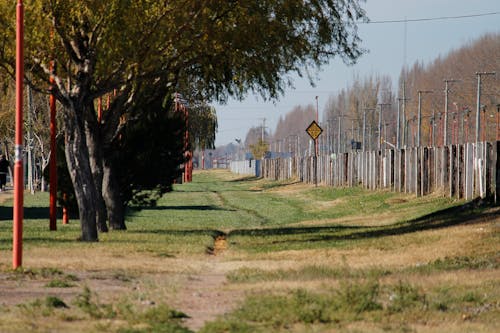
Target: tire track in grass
<point>261,219</point>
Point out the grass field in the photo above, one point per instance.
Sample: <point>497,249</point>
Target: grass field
<point>233,254</point>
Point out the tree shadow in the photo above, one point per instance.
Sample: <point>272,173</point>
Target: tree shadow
<point>458,215</point>
<point>189,207</point>
<point>29,213</point>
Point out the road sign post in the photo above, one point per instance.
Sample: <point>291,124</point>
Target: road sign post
<point>314,131</point>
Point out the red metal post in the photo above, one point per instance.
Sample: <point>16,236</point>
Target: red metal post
<point>99,109</point>
<point>65,217</point>
<point>53,155</point>
<point>17,239</point>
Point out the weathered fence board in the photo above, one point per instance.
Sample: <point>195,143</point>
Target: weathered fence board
<point>463,171</point>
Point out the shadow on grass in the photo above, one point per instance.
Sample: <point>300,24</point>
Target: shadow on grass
<point>458,215</point>
<point>244,179</point>
<point>33,213</point>
<point>30,213</point>
<point>182,232</point>
<point>187,207</point>
<point>463,214</point>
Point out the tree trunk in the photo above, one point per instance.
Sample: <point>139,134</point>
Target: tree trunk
<point>95,156</point>
<point>77,158</point>
<point>111,195</point>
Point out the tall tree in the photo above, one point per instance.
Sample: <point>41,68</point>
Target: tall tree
<point>99,46</point>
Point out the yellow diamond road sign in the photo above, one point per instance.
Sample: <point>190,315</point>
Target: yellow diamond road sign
<point>314,130</point>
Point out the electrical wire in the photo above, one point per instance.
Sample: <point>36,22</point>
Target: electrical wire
<point>430,18</point>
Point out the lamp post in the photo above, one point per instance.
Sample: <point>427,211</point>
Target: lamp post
<point>17,248</point>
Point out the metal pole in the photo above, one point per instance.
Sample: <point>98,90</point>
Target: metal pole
<point>419,117</point>
<point>364,129</point>
<point>419,120</point>
<point>398,127</point>
<point>53,158</point>
<point>478,109</point>
<point>339,135</point>
<point>404,115</point>
<point>380,128</point>
<point>317,121</point>
<point>17,248</point>
<point>445,134</point>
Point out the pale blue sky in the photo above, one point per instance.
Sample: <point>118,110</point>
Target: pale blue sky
<point>425,41</point>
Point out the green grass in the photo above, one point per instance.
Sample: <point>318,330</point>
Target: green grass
<point>263,224</point>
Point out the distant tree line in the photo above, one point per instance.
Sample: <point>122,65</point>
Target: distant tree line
<point>362,101</point>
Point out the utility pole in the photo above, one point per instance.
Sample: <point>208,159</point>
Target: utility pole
<point>379,145</point>
<point>339,135</point>
<point>478,109</point>
<point>419,120</point>
<point>263,129</point>
<point>398,126</point>
<point>381,105</point>
<point>445,134</point>
<point>364,128</point>
<point>317,121</point>
<point>404,99</point>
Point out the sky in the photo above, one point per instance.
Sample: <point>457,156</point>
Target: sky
<point>389,46</point>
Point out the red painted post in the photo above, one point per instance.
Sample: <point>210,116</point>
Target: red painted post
<point>65,217</point>
<point>17,239</point>
<point>53,155</point>
<point>99,109</point>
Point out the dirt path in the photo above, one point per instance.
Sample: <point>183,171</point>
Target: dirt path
<point>206,295</point>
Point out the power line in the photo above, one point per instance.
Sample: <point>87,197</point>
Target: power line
<point>430,18</point>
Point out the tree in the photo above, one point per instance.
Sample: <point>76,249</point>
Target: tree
<point>259,149</point>
<point>99,46</point>
<point>292,128</point>
<point>148,150</point>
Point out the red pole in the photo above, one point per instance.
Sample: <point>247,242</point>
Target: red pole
<point>65,218</point>
<point>99,109</point>
<point>53,158</point>
<point>17,239</point>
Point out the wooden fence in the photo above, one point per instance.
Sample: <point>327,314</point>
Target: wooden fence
<point>462,171</point>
